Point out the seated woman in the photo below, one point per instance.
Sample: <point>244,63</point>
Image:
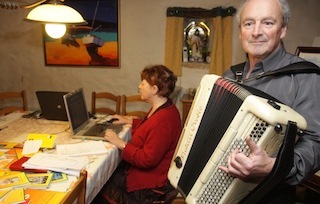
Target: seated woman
<point>142,175</point>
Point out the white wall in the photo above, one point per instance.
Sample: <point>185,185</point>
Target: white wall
<point>142,43</point>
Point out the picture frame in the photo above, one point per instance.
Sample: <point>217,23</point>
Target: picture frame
<point>95,44</point>
<point>311,54</point>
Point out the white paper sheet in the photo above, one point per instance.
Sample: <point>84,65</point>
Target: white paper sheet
<point>31,146</point>
<point>82,148</point>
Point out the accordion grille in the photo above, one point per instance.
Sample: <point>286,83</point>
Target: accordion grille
<point>220,181</point>
<point>225,99</point>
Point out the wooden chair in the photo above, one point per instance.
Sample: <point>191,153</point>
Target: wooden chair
<point>110,99</point>
<point>13,97</point>
<point>78,191</point>
<point>136,102</point>
<point>312,183</point>
<point>178,200</point>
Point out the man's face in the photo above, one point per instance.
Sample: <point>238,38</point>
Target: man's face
<point>261,28</point>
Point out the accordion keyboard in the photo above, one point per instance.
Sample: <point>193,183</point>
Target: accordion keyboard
<point>219,181</point>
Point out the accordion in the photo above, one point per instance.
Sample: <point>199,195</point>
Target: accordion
<point>222,115</point>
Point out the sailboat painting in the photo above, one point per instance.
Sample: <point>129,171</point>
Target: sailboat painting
<point>94,44</point>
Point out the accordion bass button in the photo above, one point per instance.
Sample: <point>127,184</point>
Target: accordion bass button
<point>178,162</point>
<point>278,128</point>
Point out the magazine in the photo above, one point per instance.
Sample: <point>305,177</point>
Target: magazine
<point>39,180</point>
<point>14,180</point>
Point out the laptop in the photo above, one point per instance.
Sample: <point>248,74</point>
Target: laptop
<point>52,105</point>
<point>80,123</point>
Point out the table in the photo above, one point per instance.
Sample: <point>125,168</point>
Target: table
<point>186,101</point>
<point>16,129</point>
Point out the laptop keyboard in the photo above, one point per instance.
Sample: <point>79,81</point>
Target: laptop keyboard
<point>98,129</point>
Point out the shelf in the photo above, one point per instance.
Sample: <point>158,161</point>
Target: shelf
<point>196,65</point>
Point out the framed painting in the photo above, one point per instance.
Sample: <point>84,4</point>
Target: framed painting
<point>94,44</point>
<point>311,54</point>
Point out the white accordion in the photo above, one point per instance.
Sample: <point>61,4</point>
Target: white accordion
<point>222,115</point>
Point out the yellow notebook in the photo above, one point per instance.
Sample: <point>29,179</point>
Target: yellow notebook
<point>4,192</point>
<point>4,162</point>
<point>48,141</point>
<point>14,196</point>
<point>14,180</point>
<point>8,145</point>
<point>42,196</point>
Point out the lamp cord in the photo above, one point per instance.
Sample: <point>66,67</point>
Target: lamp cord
<point>13,5</point>
<point>94,17</point>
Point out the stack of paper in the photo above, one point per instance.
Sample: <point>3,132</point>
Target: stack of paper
<point>17,166</point>
<point>53,162</point>
<point>81,149</point>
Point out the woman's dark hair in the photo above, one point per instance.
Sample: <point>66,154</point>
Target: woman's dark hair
<point>160,76</point>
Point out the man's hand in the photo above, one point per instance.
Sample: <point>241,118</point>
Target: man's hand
<point>252,168</point>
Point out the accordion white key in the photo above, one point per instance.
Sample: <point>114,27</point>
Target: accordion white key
<point>222,115</point>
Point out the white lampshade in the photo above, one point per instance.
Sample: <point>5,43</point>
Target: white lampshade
<point>55,16</point>
<point>56,13</point>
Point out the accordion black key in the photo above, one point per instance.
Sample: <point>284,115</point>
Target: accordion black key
<point>222,115</point>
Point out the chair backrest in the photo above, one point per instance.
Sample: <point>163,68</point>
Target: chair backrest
<point>110,100</point>
<point>78,191</point>
<point>136,102</point>
<point>11,98</point>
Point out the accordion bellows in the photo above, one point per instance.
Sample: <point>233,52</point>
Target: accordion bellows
<point>222,115</point>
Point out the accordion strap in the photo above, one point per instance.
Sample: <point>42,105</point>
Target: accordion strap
<point>294,68</point>
<point>281,168</point>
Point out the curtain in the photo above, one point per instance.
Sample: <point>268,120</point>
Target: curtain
<point>173,44</point>
<point>221,48</point>
<point>221,45</point>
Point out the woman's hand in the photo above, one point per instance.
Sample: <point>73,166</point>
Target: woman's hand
<point>113,138</point>
<point>122,119</point>
<point>250,168</point>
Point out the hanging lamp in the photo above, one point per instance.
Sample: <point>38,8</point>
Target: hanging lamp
<point>53,14</point>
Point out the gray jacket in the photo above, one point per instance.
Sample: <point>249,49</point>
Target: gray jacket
<point>302,93</point>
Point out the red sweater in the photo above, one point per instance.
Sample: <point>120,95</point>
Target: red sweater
<point>151,149</point>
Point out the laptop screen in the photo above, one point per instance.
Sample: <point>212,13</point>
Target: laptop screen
<point>76,110</point>
<point>52,105</point>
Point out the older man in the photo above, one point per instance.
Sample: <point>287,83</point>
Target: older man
<point>263,25</point>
